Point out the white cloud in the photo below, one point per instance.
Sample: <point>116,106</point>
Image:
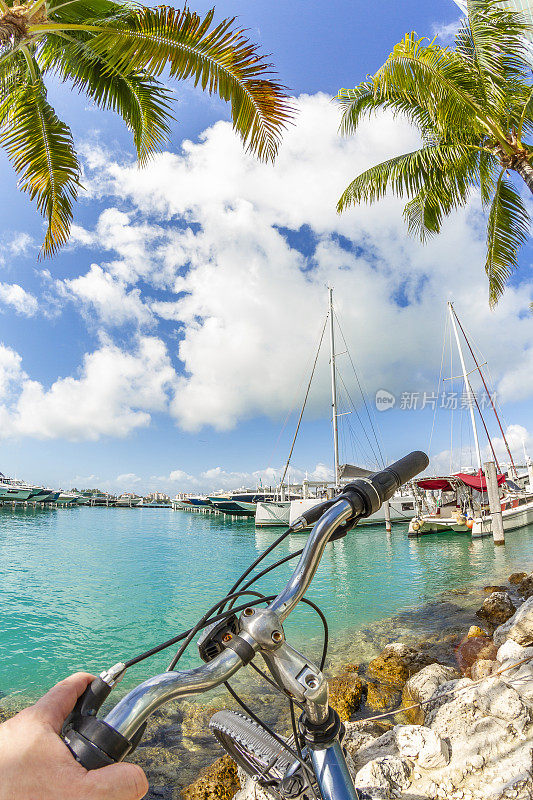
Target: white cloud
<point>115,393</point>
<point>99,292</point>
<point>11,294</point>
<point>248,248</point>
<point>127,478</point>
<point>446,33</point>
<point>460,458</point>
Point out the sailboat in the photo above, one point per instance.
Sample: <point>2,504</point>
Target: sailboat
<point>284,510</point>
<point>458,502</point>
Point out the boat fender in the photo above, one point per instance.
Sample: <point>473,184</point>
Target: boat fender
<point>470,523</point>
<point>461,519</point>
<point>415,524</point>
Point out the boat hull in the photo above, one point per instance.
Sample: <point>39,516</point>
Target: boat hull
<point>273,514</point>
<point>400,510</point>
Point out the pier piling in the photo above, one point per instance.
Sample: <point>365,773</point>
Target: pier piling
<point>498,534</point>
<point>386,509</point>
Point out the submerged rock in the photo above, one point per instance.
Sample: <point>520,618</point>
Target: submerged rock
<point>397,663</point>
<point>346,693</point>
<point>517,577</point>
<point>496,609</point>
<point>216,782</point>
<point>380,697</point>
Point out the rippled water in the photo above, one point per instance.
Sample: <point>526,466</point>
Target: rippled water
<point>83,588</point>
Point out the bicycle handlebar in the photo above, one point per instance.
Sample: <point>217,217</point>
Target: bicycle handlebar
<point>96,743</point>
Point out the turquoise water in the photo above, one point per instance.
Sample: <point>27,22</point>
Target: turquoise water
<point>84,588</point>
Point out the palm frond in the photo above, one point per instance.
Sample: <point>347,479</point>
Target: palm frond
<point>507,231</point>
<point>408,174</point>
<point>40,148</point>
<point>142,101</point>
<point>219,59</point>
<point>434,78</point>
<point>498,44</point>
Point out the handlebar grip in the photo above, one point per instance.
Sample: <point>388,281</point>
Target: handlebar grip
<point>93,742</point>
<point>367,495</point>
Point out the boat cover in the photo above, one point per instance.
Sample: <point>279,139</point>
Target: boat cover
<point>434,484</point>
<point>478,481</point>
<point>351,471</point>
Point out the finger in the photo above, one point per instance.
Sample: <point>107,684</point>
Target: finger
<point>56,705</point>
<point>116,782</point>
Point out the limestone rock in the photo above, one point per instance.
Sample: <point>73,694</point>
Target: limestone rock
<point>511,652</point>
<point>499,700</point>
<point>219,781</point>
<point>397,663</point>
<point>521,628</point>
<point>388,775</point>
<point>501,633</point>
<point>380,697</point>
<point>471,648</point>
<point>196,721</point>
<point>496,609</point>
<point>362,733</point>
<point>484,668</point>
<point>423,686</point>
<point>422,745</point>
<point>491,589</point>
<point>346,693</point>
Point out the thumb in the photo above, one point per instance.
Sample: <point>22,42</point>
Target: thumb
<point>116,782</point>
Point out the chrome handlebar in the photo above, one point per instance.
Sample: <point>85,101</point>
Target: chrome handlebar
<point>130,712</point>
<point>97,742</point>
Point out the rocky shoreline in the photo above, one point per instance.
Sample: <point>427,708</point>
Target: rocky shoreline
<point>455,715</point>
<point>444,654</point>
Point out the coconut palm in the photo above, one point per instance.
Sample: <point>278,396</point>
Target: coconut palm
<point>115,53</point>
<point>473,107</point>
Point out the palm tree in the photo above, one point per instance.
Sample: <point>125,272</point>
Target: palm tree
<point>115,52</point>
<point>473,107</point>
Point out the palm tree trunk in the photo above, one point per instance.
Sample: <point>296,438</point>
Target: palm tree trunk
<point>525,170</point>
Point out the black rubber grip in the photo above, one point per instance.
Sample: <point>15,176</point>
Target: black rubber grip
<point>313,514</point>
<point>367,495</point>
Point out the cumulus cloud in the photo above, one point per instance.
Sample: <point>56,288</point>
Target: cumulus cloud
<point>245,250</point>
<point>519,439</point>
<point>99,292</point>
<point>114,394</point>
<point>11,294</point>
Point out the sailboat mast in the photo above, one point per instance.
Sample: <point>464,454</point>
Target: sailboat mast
<point>333,387</point>
<point>468,388</point>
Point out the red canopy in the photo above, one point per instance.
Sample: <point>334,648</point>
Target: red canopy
<point>435,484</point>
<point>478,481</point>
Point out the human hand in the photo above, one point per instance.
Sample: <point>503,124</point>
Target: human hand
<point>35,763</point>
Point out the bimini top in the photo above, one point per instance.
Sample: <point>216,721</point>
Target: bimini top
<point>476,482</point>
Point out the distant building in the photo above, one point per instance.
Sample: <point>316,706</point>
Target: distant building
<point>159,496</point>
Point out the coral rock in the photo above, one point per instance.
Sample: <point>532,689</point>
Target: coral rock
<point>483,668</point>
<point>380,697</point>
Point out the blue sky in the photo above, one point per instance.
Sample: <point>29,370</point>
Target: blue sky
<point>169,345</point>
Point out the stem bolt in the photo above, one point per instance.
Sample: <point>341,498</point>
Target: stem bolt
<point>277,636</point>
<point>227,638</point>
